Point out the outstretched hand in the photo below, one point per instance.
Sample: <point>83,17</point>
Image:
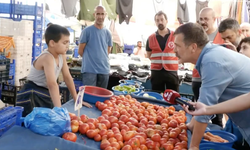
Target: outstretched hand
<point>200,109</point>
<point>86,104</point>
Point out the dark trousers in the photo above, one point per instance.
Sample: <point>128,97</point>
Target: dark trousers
<point>162,80</point>
<point>31,96</point>
<point>196,90</point>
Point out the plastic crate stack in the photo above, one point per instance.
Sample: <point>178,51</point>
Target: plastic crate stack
<point>21,55</point>
<point>27,35</point>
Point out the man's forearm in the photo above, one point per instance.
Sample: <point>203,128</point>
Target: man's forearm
<point>198,132</point>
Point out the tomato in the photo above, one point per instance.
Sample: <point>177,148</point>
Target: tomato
<point>184,144</point>
<point>105,116</point>
<point>150,144</point>
<point>170,112</point>
<point>156,137</point>
<point>128,97</point>
<point>133,128</point>
<point>159,119</point>
<point>100,118</point>
<point>125,127</point>
<point>127,147</point>
<point>104,144</point>
<point>173,134</point>
<point>103,132</point>
<point>134,142</point>
<point>173,123</point>
<point>128,135</point>
<point>74,126</point>
<point>164,121</point>
<point>91,126</point>
<point>101,126</point>
<point>171,108</point>
<point>113,119</point>
<point>69,136</point>
<point>83,128</point>
<point>141,125</point>
<point>106,111</point>
<point>92,133</point>
<point>84,118</point>
<point>110,133</point>
<point>143,147</point>
<point>150,132</point>
<point>116,114</point>
<point>180,120</point>
<point>115,129</point>
<point>118,137</point>
<point>183,137</point>
<point>168,146</point>
<point>92,120</point>
<point>163,141</point>
<point>104,137</point>
<point>97,138</point>
<point>97,104</point>
<point>115,125</point>
<point>116,145</point>
<point>102,106</point>
<point>107,123</point>
<point>141,139</point>
<point>183,126</point>
<point>112,139</point>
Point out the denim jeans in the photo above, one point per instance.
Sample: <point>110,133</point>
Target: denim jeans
<point>100,80</point>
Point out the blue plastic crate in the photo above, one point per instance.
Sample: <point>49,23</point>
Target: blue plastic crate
<point>5,8</point>
<point>37,51</point>
<point>10,116</point>
<point>24,10</point>
<point>39,25</point>
<point>12,68</point>
<point>40,11</point>
<point>76,52</point>
<point>11,82</point>
<point>78,84</point>
<point>11,77</point>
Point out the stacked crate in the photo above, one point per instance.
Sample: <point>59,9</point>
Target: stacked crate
<point>22,32</point>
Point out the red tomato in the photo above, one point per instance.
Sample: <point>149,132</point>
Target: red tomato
<point>104,144</point>
<point>150,144</point>
<point>116,145</point>
<point>141,139</point>
<point>107,111</point>
<point>101,126</point>
<point>97,104</point>
<point>156,137</point>
<point>173,123</point>
<point>171,108</point>
<point>116,114</point>
<point>84,118</point>
<point>150,132</point>
<point>103,132</point>
<point>127,147</point>
<point>183,137</point>
<point>118,137</point>
<point>91,126</point>
<point>107,123</point>
<point>92,133</point>
<point>115,125</point>
<point>74,126</point>
<point>92,120</point>
<point>83,128</point>
<point>113,119</point>
<point>173,134</point>
<point>97,138</point>
<point>134,142</point>
<point>105,116</point>
<point>112,139</point>
<point>69,136</point>
<point>168,146</point>
<point>100,118</point>
<point>110,133</point>
<point>128,135</point>
<point>102,106</point>
<point>143,147</point>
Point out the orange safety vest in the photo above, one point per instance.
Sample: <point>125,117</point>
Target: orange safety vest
<point>217,40</point>
<point>167,58</point>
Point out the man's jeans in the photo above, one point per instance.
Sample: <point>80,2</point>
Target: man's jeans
<point>100,80</point>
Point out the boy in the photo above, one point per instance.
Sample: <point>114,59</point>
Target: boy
<point>41,89</point>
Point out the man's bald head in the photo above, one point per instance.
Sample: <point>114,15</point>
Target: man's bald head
<point>245,28</point>
<point>99,7</point>
<point>207,19</point>
<point>99,14</point>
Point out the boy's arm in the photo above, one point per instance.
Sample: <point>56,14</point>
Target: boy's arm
<point>69,81</point>
<point>48,66</point>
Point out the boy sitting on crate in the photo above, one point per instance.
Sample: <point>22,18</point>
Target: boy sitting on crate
<point>41,89</point>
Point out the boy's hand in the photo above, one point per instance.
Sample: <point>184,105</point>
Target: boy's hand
<point>86,104</point>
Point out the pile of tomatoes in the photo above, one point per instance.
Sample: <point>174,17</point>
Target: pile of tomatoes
<point>128,124</point>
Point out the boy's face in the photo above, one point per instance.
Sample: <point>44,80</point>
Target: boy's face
<point>245,49</point>
<point>62,45</point>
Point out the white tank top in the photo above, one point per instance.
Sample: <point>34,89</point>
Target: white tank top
<point>38,76</point>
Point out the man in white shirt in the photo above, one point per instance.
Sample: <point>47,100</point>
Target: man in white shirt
<point>140,51</point>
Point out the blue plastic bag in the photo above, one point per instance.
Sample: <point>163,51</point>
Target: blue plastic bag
<point>46,121</point>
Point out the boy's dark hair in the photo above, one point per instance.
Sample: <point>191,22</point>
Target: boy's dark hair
<point>161,13</point>
<point>54,32</point>
<point>228,23</point>
<point>193,33</point>
<point>245,40</point>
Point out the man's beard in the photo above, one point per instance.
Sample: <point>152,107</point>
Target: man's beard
<point>161,27</point>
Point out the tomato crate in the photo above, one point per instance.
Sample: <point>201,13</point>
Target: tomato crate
<point>10,116</point>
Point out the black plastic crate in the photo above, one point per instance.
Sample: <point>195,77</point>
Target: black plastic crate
<point>4,76</point>
<point>76,73</point>
<point>9,93</point>
<point>65,94</point>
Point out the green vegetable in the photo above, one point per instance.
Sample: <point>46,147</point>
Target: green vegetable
<point>127,88</point>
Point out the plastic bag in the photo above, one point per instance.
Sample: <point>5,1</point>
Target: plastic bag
<point>46,121</point>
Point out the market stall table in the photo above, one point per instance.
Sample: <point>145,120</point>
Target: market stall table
<point>20,138</point>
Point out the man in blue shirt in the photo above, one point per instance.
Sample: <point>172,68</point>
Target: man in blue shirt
<point>224,75</point>
<point>95,45</point>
